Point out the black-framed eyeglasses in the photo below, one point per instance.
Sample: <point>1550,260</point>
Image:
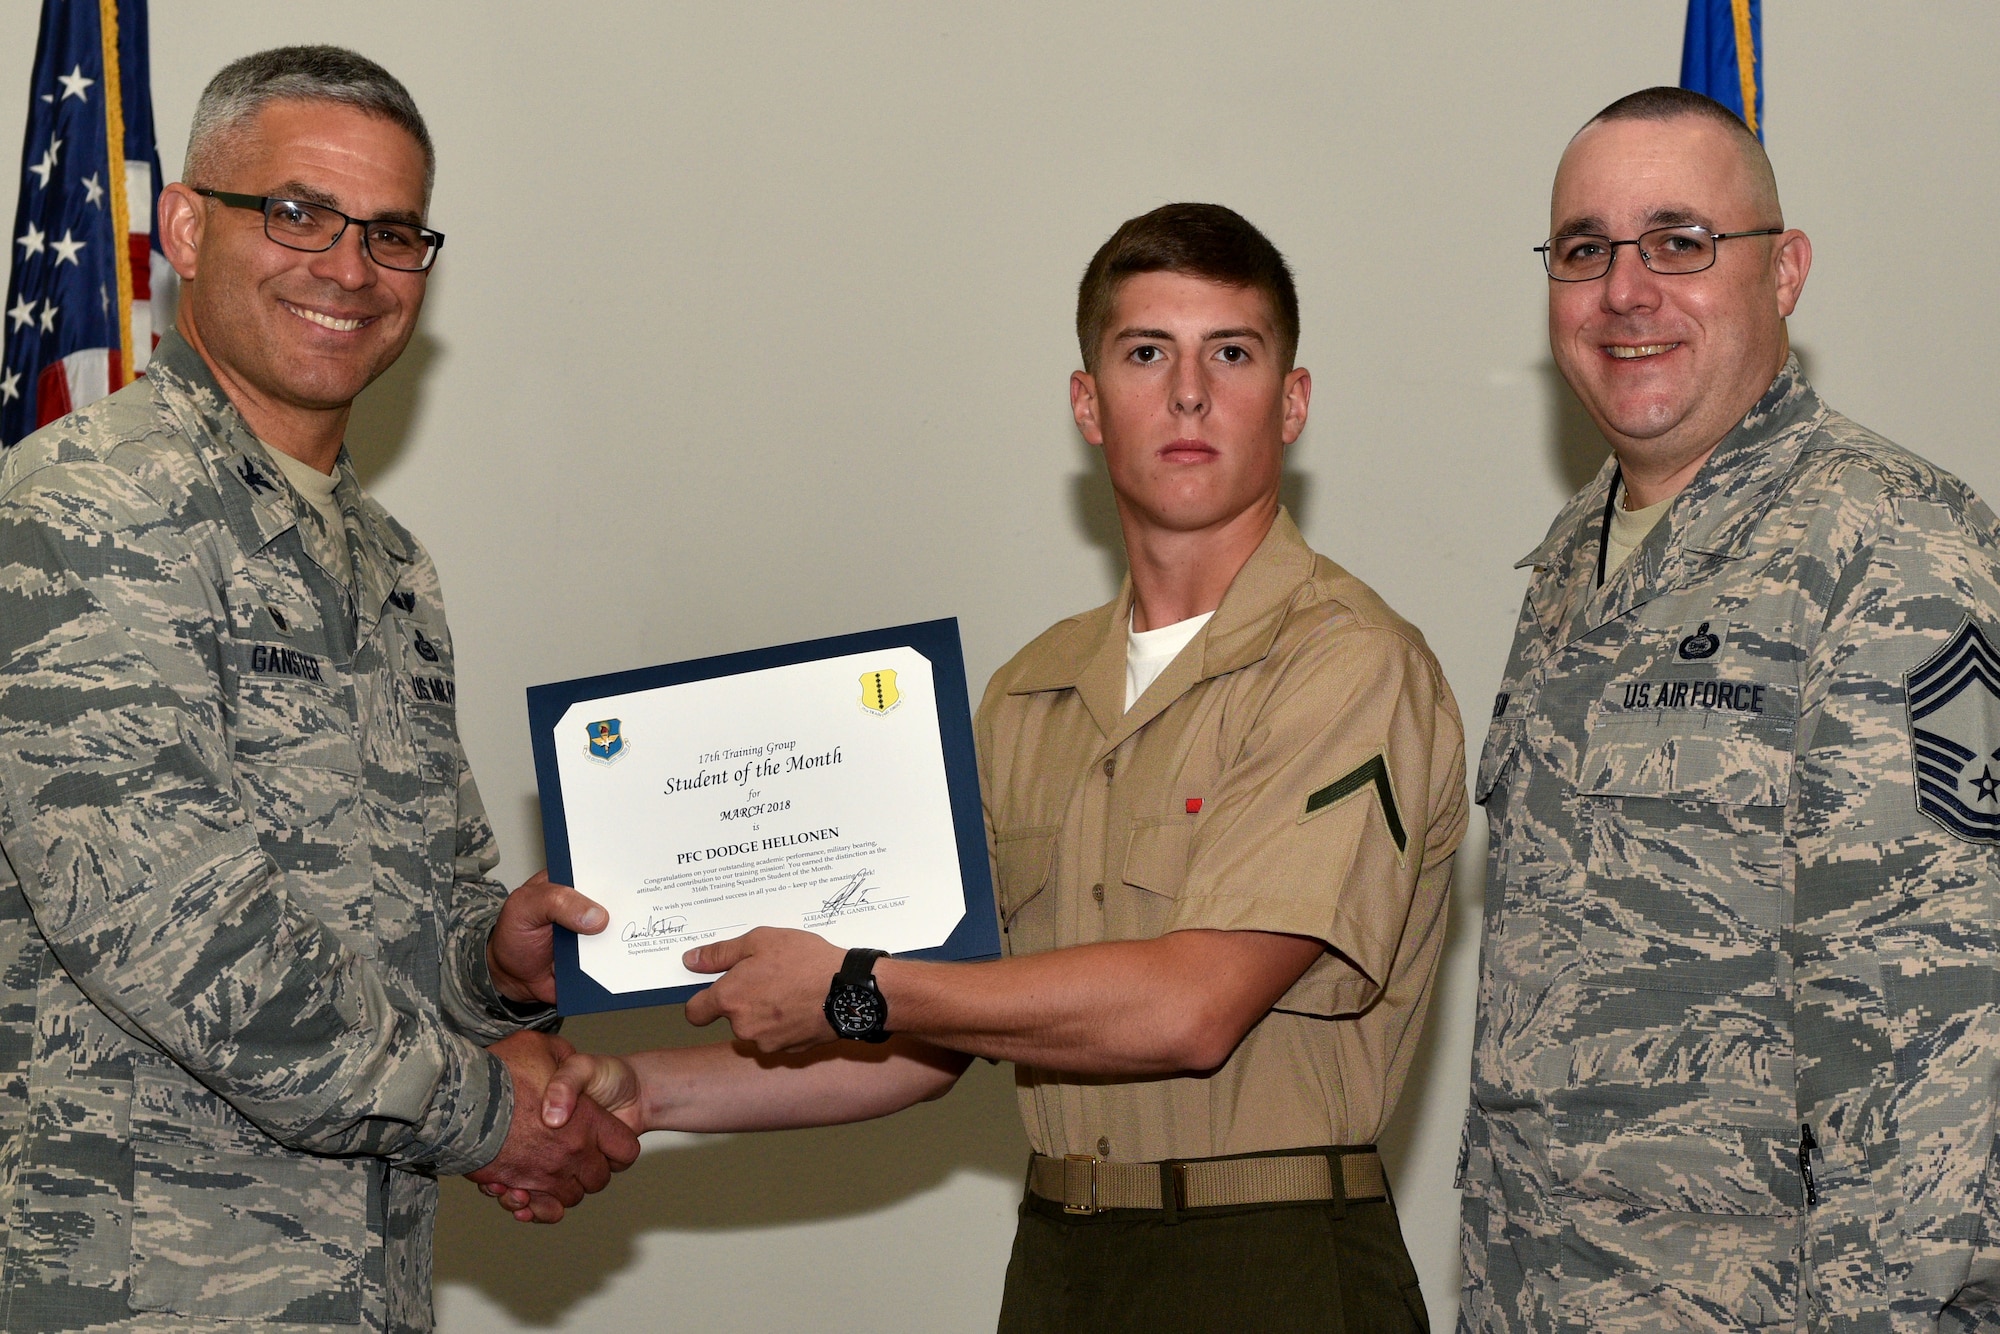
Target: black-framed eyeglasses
<point>1578,259</point>
<point>298,225</point>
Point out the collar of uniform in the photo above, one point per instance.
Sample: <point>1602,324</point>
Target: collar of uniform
<point>1716,514</point>
<point>375,577</point>
<point>211,423</point>
<point>374,521</point>
<point>1557,588</point>
<point>1091,658</point>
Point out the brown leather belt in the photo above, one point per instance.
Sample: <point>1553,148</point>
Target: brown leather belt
<point>1086,1185</point>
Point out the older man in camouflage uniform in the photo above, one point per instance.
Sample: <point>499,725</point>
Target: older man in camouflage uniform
<point>1737,1024</point>
<point>249,950</point>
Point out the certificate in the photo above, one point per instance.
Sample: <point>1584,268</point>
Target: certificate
<point>828,786</point>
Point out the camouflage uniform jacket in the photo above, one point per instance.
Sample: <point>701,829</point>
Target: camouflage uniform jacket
<point>243,913</point>
<point>1731,906</point>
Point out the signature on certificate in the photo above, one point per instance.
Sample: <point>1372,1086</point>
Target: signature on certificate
<point>851,895</point>
<point>655,926</point>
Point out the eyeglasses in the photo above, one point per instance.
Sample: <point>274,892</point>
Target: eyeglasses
<point>297,225</point>
<point>1578,259</point>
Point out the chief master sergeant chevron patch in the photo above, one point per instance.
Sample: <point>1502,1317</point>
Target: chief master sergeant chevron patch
<point>1954,702</point>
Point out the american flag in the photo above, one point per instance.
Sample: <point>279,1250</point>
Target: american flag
<point>81,318</point>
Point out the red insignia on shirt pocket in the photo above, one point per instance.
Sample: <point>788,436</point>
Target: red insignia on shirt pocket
<point>1194,805</point>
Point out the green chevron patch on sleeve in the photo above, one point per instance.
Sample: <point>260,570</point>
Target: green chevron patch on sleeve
<point>1374,770</point>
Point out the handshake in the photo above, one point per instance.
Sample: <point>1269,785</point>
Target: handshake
<point>577,1116</point>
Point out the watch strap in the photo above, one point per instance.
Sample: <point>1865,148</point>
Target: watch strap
<point>858,968</point>
<point>857,973</point>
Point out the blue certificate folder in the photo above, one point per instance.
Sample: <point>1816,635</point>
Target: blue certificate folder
<point>977,935</point>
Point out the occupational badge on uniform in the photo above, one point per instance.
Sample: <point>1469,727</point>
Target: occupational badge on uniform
<point>1954,703</point>
<point>607,742</point>
<point>1701,644</point>
<point>878,691</point>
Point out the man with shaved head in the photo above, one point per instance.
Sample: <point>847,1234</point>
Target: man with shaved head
<point>1739,1005</point>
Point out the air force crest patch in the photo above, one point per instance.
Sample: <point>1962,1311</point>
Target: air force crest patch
<point>1954,702</point>
<point>878,691</point>
<point>607,742</point>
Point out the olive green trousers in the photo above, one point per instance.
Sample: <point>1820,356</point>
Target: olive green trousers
<point>1274,1268</point>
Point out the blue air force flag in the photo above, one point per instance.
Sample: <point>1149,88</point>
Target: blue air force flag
<point>85,267</point>
<point>1722,56</point>
<point>1954,700</point>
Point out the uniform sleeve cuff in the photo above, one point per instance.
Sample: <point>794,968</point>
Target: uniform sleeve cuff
<point>1336,983</point>
<point>484,1113</point>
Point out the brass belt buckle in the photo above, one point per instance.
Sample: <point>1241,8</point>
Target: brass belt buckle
<point>1079,1170</point>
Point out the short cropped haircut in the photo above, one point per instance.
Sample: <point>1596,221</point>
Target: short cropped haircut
<point>1663,104</point>
<point>1201,241</point>
<point>296,74</point>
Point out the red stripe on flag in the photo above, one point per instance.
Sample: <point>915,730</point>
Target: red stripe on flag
<point>51,394</point>
<point>141,247</point>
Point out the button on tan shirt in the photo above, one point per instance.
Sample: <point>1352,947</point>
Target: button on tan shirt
<point>1299,768</point>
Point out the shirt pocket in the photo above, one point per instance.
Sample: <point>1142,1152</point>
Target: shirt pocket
<point>1156,863</point>
<point>1023,866</point>
<point>290,707</point>
<point>1680,1067</point>
<point>229,1225</point>
<point>1740,761</point>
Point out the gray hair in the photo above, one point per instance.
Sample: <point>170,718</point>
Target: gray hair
<point>296,74</point>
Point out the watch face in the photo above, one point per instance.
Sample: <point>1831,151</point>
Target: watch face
<point>855,1009</point>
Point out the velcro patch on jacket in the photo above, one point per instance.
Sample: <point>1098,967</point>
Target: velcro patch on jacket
<point>1954,703</point>
<point>1372,772</point>
<point>278,660</point>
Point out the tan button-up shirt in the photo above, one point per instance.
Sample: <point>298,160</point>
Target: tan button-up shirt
<point>1299,768</point>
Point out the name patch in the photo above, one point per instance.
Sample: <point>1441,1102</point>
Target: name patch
<point>277,660</point>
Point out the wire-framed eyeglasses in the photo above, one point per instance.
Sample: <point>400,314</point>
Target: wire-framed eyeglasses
<point>298,225</point>
<point>1582,257</point>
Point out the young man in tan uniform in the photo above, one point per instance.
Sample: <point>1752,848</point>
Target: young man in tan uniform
<point>1222,811</point>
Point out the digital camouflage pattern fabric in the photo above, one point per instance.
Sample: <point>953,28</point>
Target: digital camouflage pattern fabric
<point>243,916</point>
<point>1720,930</point>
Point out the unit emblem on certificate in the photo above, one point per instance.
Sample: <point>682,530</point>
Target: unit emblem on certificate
<point>607,743</point>
<point>878,691</point>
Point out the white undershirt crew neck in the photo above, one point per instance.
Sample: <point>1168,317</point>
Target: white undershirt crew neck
<point>1150,652</point>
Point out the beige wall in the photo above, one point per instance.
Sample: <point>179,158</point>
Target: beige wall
<point>753,326</point>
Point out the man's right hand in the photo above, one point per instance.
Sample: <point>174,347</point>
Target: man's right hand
<point>555,1166</point>
<point>604,1084</point>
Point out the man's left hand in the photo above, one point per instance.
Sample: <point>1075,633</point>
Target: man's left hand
<point>520,953</point>
<point>772,989</point>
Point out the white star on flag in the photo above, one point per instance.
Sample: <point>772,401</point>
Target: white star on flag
<point>47,164</point>
<point>31,242</point>
<point>74,83</point>
<point>48,317</point>
<point>66,248</point>
<point>10,388</point>
<point>23,313</point>
<point>92,190</point>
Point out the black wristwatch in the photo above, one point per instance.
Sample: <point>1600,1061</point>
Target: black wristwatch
<point>855,1007</point>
